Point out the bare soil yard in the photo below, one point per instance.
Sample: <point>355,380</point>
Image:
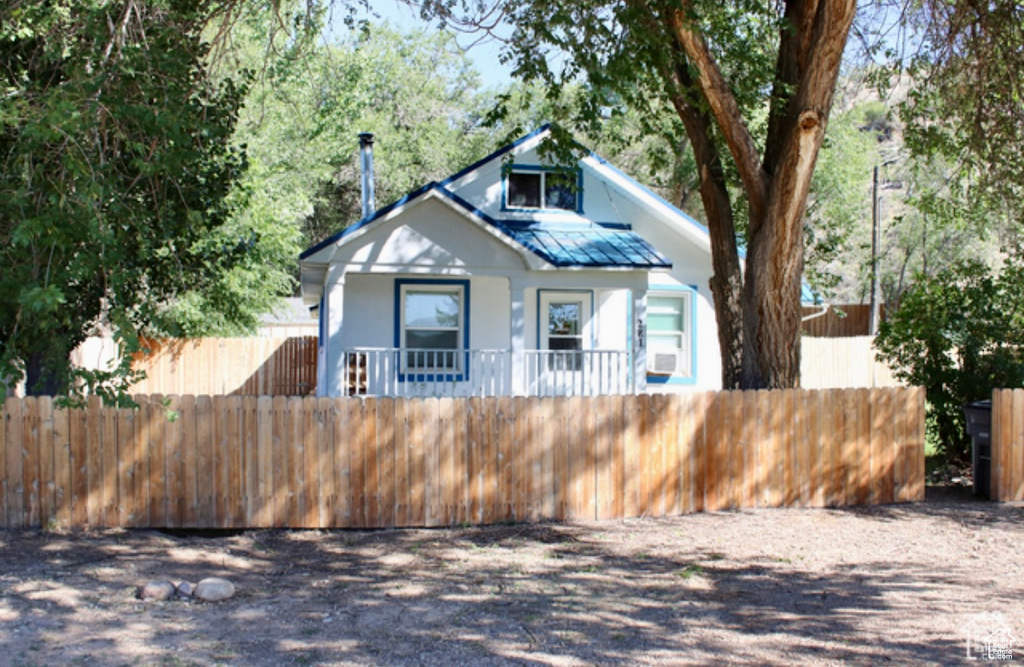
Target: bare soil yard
<point>898,584</point>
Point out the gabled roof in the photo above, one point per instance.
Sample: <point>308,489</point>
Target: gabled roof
<point>577,243</point>
<point>580,246</point>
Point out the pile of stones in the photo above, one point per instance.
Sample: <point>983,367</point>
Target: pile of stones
<point>211,589</point>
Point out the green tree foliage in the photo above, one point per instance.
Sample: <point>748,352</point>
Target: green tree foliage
<point>420,97</point>
<point>318,86</point>
<point>838,222</point>
<point>313,90</point>
<point>966,103</point>
<point>958,334</point>
<point>115,171</point>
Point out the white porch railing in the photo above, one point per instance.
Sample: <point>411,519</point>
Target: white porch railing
<point>578,372</point>
<point>462,373</point>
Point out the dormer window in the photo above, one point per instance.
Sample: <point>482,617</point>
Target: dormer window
<point>542,189</point>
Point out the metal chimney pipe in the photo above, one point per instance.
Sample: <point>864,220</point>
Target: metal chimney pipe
<point>366,163</point>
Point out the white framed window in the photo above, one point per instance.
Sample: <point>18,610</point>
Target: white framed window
<point>542,189</point>
<point>565,328</point>
<point>670,334</point>
<point>432,325</point>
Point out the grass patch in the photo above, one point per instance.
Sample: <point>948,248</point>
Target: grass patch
<point>691,571</point>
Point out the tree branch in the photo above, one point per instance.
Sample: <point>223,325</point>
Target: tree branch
<point>725,110</point>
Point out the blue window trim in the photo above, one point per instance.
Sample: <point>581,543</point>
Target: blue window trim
<point>432,377</point>
<point>539,168</point>
<point>555,290</point>
<point>690,379</point>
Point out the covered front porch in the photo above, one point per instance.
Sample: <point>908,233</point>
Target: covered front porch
<point>421,372</point>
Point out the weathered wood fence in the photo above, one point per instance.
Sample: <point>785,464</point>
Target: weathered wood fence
<point>242,366</point>
<point>232,461</point>
<point>827,363</point>
<point>840,321</point>
<point>1007,434</point>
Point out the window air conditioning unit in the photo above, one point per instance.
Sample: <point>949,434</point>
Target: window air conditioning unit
<point>665,363</point>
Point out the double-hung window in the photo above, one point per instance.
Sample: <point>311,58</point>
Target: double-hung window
<point>432,325</point>
<point>542,189</point>
<point>670,334</point>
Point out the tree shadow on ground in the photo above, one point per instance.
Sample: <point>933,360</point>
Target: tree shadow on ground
<point>954,503</point>
<point>622,592</point>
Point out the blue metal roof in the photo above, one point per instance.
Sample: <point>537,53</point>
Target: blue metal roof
<point>594,247</point>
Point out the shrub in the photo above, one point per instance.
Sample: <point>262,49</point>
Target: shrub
<point>958,334</point>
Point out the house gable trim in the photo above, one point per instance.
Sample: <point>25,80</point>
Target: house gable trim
<point>691,227</point>
<point>377,215</point>
<point>496,154</point>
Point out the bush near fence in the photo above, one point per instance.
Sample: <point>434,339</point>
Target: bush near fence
<point>241,462</point>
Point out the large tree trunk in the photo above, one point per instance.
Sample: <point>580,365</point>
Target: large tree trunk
<point>776,185</point>
<point>727,278</point>
<point>41,379</point>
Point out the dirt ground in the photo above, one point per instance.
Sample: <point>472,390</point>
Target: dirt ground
<point>887,585</point>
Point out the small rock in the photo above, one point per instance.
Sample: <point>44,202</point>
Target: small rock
<point>157,590</point>
<point>214,589</point>
<point>186,589</point>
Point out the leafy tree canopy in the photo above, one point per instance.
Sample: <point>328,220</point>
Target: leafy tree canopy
<point>115,170</point>
<point>966,103</point>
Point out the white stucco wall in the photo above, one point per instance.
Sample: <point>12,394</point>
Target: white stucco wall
<point>370,311</point>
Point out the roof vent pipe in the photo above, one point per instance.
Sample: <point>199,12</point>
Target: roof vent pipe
<point>366,162</point>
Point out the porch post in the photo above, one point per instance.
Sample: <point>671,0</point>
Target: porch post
<point>639,338</point>
<point>333,347</point>
<point>518,340</point>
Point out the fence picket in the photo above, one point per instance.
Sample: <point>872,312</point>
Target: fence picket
<point>61,468</point>
<point>346,417</point>
<point>188,497</point>
<point>244,414</point>
<point>386,463</point>
<point>506,442</point>
<point>445,464</point>
<point>324,438</point>
<point>30,460</point>
<point>47,464</point>
<point>265,462</point>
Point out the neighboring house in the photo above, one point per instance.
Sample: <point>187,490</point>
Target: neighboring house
<point>291,319</point>
<point>514,278</point>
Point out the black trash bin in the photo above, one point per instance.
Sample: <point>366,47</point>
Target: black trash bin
<point>979,427</point>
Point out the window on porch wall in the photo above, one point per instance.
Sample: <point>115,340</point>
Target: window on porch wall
<point>431,323</point>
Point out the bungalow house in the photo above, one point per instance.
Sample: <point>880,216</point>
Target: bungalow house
<point>512,277</point>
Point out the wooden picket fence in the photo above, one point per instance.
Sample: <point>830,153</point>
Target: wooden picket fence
<point>840,321</point>
<point>232,461</point>
<point>242,366</point>
<point>1007,483</point>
